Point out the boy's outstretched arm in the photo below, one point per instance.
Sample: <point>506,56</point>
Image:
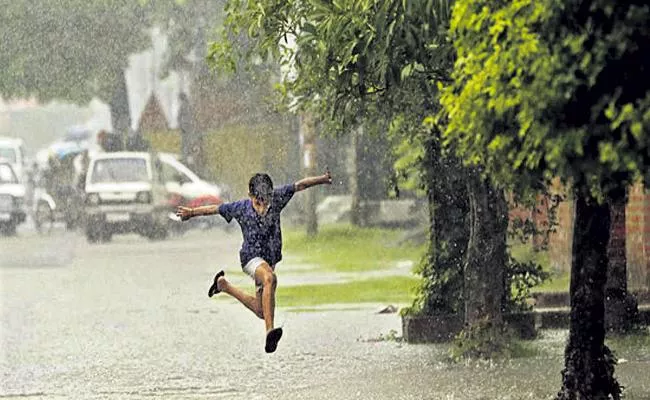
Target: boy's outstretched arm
<point>325,179</point>
<point>185,213</point>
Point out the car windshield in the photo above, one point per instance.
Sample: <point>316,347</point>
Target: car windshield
<point>120,170</point>
<point>7,174</point>
<point>8,154</point>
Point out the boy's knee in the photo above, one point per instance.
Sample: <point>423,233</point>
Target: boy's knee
<point>265,276</point>
<point>270,279</point>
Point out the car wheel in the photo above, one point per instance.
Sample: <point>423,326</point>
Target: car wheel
<point>44,218</point>
<point>105,235</point>
<point>93,234</point>
<point>158,232</point>
<point>69,224</point>
<point>8,229</point>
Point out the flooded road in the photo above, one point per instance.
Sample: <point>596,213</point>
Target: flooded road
<point>131,320</point>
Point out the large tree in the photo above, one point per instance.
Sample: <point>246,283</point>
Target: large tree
<point>71,50</point>
<point>554,88</point>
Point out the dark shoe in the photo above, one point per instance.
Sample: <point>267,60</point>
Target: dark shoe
<point>272,339</point>
<point>214,289</point>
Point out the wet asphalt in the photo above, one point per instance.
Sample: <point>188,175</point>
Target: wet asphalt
<point>131,319</point>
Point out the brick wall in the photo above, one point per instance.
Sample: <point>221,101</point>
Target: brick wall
<point>539,216</point>
<point>637,223</point>
<point>637,230</point>
<point>560,240</point>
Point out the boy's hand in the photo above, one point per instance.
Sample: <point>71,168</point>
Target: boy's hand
<point>184,213</point>
<point>327,178</point>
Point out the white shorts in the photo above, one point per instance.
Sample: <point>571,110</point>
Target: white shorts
<point>251,267</point>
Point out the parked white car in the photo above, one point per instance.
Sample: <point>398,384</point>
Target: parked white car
<point>125,192</point>
<point>12,200</point>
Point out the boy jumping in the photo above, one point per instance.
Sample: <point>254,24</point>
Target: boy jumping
<point>259,219</point>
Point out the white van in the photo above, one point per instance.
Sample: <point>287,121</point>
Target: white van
<point>125,192</point>
<point>12,151</point>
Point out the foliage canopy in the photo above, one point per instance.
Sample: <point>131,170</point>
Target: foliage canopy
<point>68,49</point>
<point>535,96</point>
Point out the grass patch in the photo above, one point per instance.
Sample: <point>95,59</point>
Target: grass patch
<point>345,248</point>
<point>323,309</point>
<point>524,252</point>
<point>559,280</point>
<point>630,343</point>
<point>522,349</point>
<point>383,290</point>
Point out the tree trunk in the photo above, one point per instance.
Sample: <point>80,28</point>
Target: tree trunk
<point>589,364</point>
<point>442,266</point>
<point>621,308</point>
<point>486,253</point>
<point>356,212</point>
<point>308,135</point>
<point>119,104</point>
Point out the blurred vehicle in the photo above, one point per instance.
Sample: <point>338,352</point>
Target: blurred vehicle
<point>188,189</point>
<point>12,200</point>
<point>57,195</point>
<point>125,192</point>
<point>12,152</point>
<point>181,180</point>
<point>75,140</point>
<point>80,135</point>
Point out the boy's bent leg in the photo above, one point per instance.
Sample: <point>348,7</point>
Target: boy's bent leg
<point>266,277</point>
<point>251,302</point>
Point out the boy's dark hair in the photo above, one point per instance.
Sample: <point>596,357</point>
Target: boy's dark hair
<point>261,186</point>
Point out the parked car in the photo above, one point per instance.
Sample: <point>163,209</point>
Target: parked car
<point>12,151</point>
<point>183,181</point>
<point>125,192</point>
<point>12,200</point>
<point>188,189</point>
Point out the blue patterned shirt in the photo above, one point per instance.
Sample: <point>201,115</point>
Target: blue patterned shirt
<point>262,234</point>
